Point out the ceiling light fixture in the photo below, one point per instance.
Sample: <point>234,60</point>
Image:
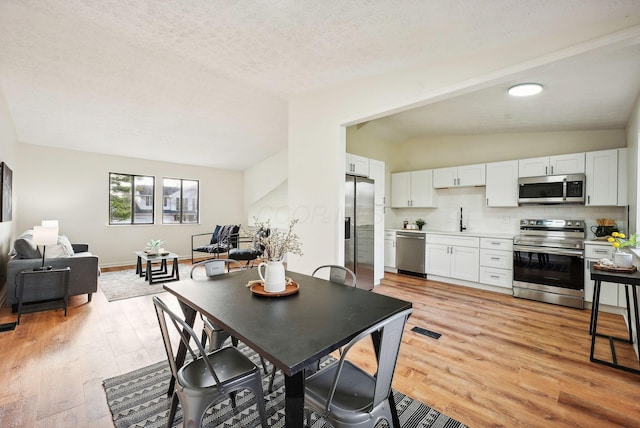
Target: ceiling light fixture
<point>525,89</point>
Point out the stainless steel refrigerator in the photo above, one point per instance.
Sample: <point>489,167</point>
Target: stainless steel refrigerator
<point>359,228</point>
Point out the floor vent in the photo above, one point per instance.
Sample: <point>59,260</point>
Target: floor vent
<point>426,332</point>
<point>8,326</point>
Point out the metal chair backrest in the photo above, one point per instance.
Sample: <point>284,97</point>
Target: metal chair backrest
<point>187,335</point>
<point>338,274</point>
<point>214,267</point>
<point>390,331</point>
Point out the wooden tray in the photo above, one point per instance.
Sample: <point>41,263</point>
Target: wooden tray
<point>291,288</point>
<point>631,269</point>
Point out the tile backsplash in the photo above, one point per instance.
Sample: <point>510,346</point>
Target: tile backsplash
<point>480,218</point>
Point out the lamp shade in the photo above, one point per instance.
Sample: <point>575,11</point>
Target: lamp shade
<point>50,223</point>
<point>43,235</point>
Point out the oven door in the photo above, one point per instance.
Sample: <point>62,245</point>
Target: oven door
<point>555,267</point>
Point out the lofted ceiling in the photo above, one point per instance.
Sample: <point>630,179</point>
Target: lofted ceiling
<point>207,82</point>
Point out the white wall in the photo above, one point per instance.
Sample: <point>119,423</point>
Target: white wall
<point>455,150</point>
<point>8,148</point>
<point>317,142</point>
<point>633,156</point>
<point>265,190</point>
<point>73,187</point>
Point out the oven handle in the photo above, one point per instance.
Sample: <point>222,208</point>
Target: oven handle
<point>549,250</point>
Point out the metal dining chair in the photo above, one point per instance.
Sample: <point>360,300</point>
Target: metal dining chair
<point>209,377</point>
<point>338,274</point>
<point>215,335</point>
<point>207,269</point>
<point>345,395</point>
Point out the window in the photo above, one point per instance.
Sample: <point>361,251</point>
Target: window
<point>180,202</point>
<point>130,199</point>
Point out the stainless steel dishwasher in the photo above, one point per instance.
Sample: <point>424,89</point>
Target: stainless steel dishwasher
<point>410,253</point>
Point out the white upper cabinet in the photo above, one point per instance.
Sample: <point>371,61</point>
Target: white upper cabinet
<point>552,165</point>
<point>459,176</point>
<point>602,178</point>
<point>357,165</point>
<point>413,189</point>
<point>376,173</point>
<point>502,184</point>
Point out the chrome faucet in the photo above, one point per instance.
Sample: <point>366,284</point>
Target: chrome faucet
<point>462,228</point>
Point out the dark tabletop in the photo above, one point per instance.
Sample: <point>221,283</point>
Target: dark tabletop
<point>619,277</point>
<point>291,331</point>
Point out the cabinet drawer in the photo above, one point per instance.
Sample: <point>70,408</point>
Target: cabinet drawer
<point>497,259</point>
<point>390,234</point>
<point>454,241</point>
<point>497,277</point>
<point>496,244</point>
<point>598,252</point>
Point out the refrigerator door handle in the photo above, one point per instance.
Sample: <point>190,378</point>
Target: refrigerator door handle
<point>347,228</point>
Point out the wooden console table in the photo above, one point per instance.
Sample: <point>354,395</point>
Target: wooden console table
<point>628,280</point>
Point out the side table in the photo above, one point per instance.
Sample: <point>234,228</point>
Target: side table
<point>628,280</point>
<point>158,275</point>
<point>52,284</point>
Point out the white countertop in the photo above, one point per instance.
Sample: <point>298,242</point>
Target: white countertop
<point>456,233</point>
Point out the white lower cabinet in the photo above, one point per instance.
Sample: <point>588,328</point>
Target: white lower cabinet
<point>608,291</point>
<point>453,256</point>
<point>390,249</point>
<point>496,262</point>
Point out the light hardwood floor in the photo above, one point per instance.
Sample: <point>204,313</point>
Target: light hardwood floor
<point>501,361</point>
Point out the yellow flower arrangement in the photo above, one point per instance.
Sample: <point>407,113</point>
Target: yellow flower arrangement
<point>618,240</point>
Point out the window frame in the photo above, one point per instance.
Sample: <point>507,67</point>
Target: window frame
<point>180,202</point>
<point>132,220</point>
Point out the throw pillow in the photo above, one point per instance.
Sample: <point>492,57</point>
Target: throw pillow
<point>23,247</point>
<point>56,251</point>
<point>216,233</point>
<point>68,248</point>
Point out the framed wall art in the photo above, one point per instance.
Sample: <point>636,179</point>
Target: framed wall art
<point>5,196</point>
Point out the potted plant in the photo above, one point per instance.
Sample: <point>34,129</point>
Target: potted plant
<point>420,222</point>
<point>154,246</point>
<point>619,240</point>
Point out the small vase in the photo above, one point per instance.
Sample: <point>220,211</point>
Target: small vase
<point>622,259</point>
<point>273,278</point>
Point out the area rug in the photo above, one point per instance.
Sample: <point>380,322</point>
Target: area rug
<point>125,284</point>
<point>139,399</point>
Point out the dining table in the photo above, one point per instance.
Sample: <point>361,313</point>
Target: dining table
<point>291,331</point>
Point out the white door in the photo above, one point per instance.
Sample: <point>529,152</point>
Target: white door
<point>400,189</point>
<point>567,164</point>
<point>471,175</point>
<point>602,177</point>
<point>465,263</point>
<point>376,173</point>
<point>445,177</point>
<point>422,193</point>
<point>438,259</point>
<point>533,167</point>
<point>502,184</point>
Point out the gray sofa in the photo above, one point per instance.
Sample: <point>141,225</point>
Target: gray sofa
<point>83,277</point>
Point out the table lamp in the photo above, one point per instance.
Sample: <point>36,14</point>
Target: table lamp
<point>44,235</point>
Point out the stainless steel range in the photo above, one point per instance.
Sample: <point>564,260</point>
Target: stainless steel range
<point>548,261</point>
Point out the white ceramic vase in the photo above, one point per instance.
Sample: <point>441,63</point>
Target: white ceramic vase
<point>622,259</point>
<point>273,278</point>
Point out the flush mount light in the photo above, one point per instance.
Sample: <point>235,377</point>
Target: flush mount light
<point>525,89</point>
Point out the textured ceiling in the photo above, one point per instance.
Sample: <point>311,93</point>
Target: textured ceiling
<point>206,82</point>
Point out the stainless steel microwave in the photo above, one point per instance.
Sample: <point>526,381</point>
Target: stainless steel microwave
<point>552,189</point>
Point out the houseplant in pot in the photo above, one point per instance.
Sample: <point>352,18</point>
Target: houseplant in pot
<point>420,222</point>
<point>276,245</point>
<point>154,247</point>
<point>618,241</point>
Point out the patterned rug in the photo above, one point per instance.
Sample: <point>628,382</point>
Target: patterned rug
<point>125,284</point>
<point>139,399</point>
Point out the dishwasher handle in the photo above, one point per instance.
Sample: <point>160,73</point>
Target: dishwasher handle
<point>420,237</point>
